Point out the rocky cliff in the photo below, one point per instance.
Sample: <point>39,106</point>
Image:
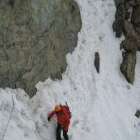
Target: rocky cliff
<point>35,36</point>
<point>127,22</point>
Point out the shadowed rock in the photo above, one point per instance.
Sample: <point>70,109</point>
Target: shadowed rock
<point>11,3</point>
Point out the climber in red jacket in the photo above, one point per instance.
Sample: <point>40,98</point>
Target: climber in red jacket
<point>63,115</point>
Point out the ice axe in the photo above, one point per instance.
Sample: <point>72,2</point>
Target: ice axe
<point>66,104</point>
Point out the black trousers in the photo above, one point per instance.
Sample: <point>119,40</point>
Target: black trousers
<point>59,129</point>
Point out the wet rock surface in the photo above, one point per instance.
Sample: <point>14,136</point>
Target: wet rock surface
<point>127,22</point>
<point>35,37</point>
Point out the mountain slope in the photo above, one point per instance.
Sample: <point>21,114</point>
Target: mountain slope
<point>103,105</point>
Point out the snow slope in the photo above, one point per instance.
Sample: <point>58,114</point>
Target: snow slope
<point>103,105</point>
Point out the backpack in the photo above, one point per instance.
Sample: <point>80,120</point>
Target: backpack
<point>67,111</point>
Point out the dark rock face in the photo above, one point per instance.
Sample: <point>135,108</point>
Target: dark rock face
<point>35,36</point>
<point>119,22</point>
<point>127,22</point>
<point>137,114</point>
<point>136,18</point>
<point>97,62</point>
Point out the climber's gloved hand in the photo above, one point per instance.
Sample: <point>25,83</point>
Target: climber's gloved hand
<point>49,119</point>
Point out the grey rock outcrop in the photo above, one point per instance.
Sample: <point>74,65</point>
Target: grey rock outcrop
<point>35,36</point>
<point>127,22</point>
<point>128,65</point>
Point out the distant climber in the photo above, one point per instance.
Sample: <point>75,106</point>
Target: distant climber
<point>97,62</point>
<point>63,116</point>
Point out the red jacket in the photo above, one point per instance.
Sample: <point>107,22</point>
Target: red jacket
<point>63,117</point>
